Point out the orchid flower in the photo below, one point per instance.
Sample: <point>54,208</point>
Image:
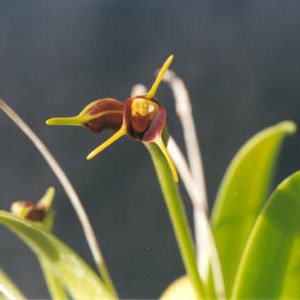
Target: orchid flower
<point>142,118</point>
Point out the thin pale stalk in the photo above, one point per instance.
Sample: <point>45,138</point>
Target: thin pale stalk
<point>185,174</point>
<point>70,191</point>
<point>8,288</point>
<point>138,89</point>
<point>178,217</point>
<point>203,222</point>
<point>206,248</point>
<point>184,111</point>
<point>182,167</point>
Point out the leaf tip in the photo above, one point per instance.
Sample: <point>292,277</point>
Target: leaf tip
<point>288,126</point>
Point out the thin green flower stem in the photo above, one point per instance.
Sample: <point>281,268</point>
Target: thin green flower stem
<point>178,217</point>
<point>70,191</point>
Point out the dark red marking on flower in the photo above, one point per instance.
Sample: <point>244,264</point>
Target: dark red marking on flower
<point>140,123</point>
<point>111,121</point>
<point>110,115</point>
<point>36,214</point>
<point>104,104</point>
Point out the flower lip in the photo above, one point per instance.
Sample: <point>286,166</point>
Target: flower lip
<point>157,125</point>
<point>144,119</point>
<point>143,107</point>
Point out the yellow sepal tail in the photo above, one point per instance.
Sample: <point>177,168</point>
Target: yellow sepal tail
<point>68,121</point>
<point>112,139</point>
<point>159,142</point>
<point>164,68</point>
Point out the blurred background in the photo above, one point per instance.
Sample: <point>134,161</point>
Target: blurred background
<point>240,62</point>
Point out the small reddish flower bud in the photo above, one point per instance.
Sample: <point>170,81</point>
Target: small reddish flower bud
<point>100,115</point>
<point>34,212</point>
<point>28,210</point>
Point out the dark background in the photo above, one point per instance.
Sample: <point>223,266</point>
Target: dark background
<point>240,62</point>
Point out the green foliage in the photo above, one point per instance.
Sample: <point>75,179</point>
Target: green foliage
<point>242,193</point>
<point>54,284</point>
<point>55,288</point>
<point>258,245</point>
<point>270,268</point>
<point>76,276</point>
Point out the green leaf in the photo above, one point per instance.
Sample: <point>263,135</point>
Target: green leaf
<point>178,217</point>
<point>55,287</point>
<point>10,287</point>
<point>270,268</point>
<point>242,193</point>
<point>76,276</point>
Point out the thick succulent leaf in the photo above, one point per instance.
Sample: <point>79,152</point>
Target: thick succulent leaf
<point>270,268</point>
<point>9,287</point>
<point>243,191</point>
<point>77,277</point>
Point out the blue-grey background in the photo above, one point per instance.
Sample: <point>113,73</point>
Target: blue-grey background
<point>240,61</point>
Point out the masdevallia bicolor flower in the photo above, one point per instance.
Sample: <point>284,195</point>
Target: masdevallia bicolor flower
<point>142,118</point>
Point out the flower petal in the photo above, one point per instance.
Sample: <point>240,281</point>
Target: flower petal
<point>157,125</point>
<point>108,142</point>
<point>164,68</point>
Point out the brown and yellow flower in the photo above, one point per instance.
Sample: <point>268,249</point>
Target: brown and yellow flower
<point>142,118</point>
